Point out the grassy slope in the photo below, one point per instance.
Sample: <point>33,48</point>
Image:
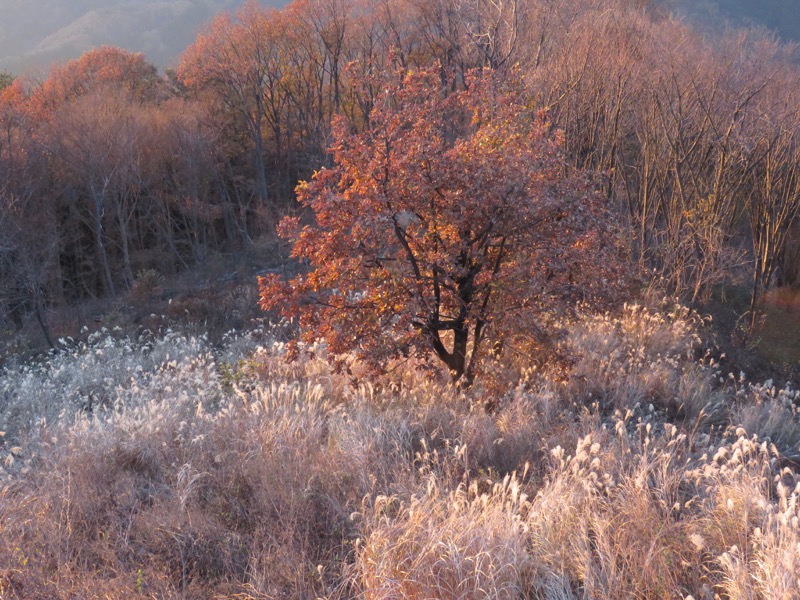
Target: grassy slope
<point>167,468</point>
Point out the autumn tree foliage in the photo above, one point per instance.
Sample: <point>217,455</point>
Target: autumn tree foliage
<point>448,224</point>
<point>109,169</point>
<point>103,175</point>
<point>236,62</point>
<point>101,68</point>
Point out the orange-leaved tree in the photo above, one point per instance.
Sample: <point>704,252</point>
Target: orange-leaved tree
<point>449,222</point>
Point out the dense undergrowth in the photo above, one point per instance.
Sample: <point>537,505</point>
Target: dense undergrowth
<point>163,467</point>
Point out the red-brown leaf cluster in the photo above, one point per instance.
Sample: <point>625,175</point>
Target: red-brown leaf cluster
<point>442,226</point>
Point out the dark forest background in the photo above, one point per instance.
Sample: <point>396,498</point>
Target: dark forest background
<point>116,177</point>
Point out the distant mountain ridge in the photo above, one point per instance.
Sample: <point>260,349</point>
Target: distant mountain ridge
<point>37,33</point>
<point>780,16</point>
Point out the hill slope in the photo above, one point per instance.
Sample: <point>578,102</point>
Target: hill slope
<point>781,16</point>
<point>35,33</point>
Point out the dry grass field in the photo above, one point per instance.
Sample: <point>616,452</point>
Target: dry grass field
<point>163,467</point>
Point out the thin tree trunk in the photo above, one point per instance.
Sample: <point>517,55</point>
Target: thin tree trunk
<point>100,247</point>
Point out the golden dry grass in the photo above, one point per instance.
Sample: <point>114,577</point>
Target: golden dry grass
<point>164,468</point>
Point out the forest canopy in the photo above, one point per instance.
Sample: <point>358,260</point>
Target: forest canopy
<point>110,170</point>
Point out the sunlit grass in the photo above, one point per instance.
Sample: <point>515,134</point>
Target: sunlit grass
<point>163,468</point>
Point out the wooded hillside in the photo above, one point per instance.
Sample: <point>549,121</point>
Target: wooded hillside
<point>110,170</point>
<point>488,234</point>
<point>35,33</point>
